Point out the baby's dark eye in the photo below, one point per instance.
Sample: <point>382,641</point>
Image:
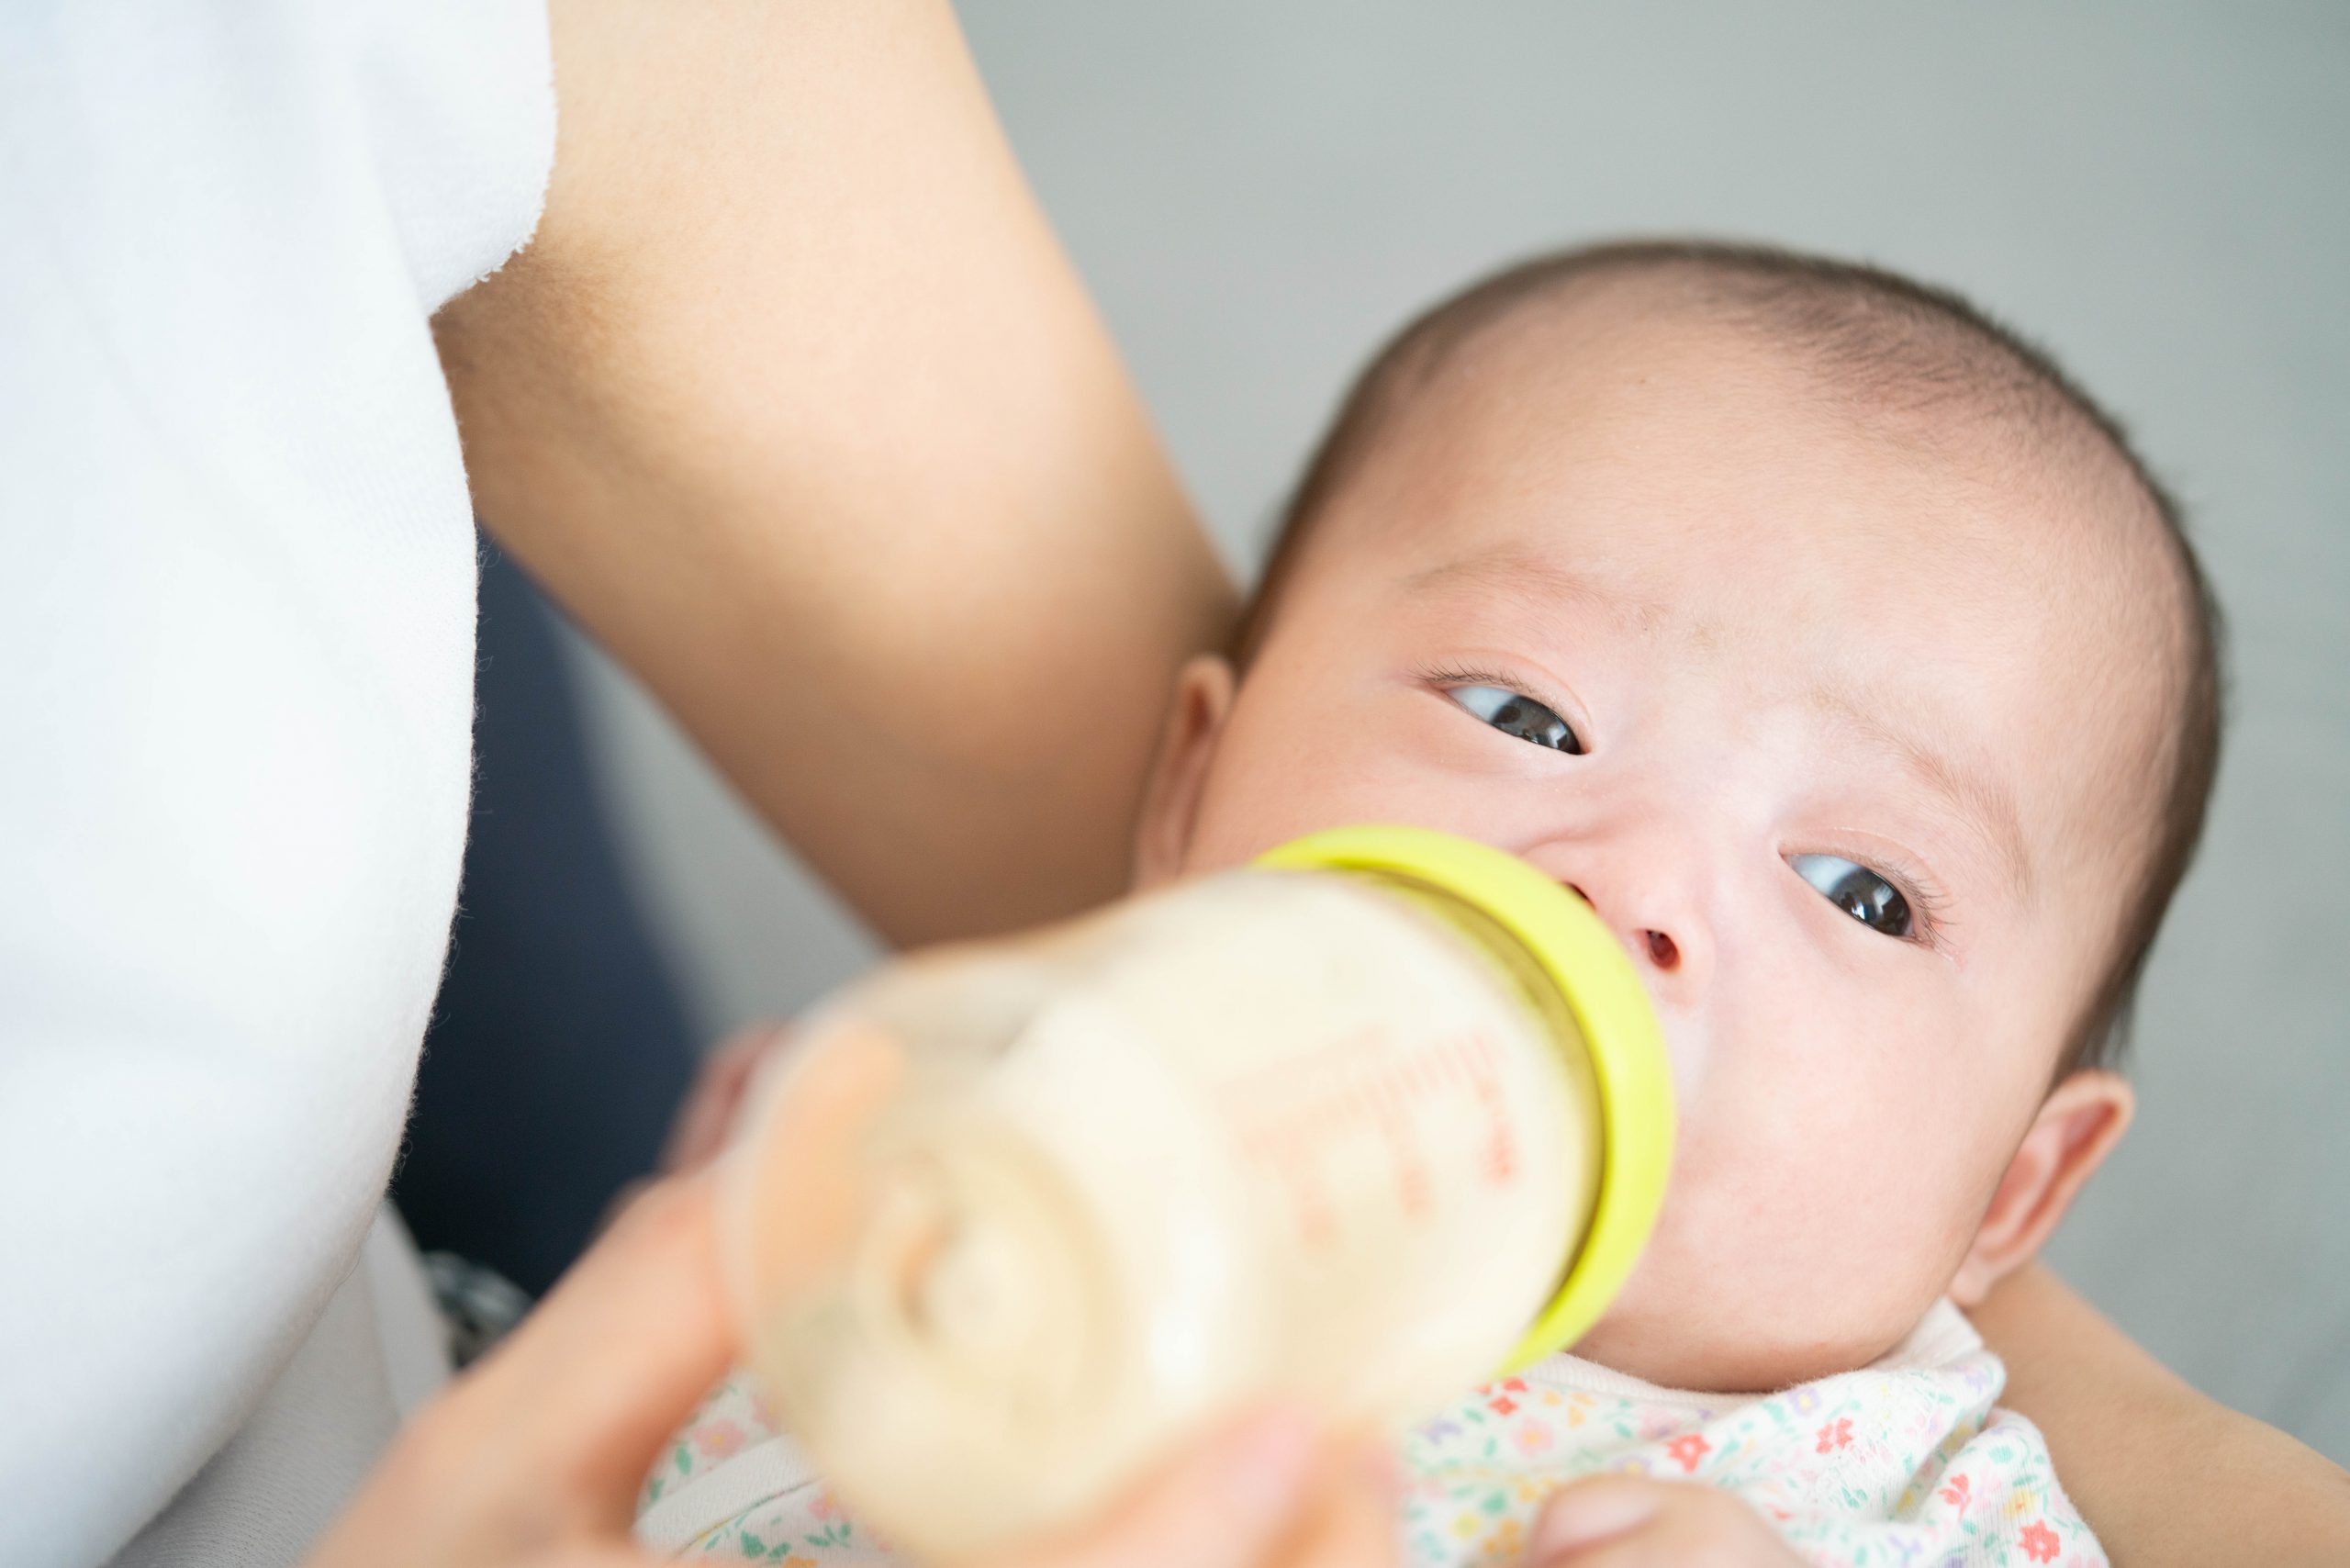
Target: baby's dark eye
<point>1857,890</point>
<point>1515,715</point>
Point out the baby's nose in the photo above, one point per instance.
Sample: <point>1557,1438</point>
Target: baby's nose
<point>1664,951</point>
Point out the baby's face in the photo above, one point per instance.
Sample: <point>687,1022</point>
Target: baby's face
<point>1842,736</point>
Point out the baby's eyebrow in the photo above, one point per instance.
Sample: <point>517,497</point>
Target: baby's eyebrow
<point>1534,579</point>
<point>1982,799</point>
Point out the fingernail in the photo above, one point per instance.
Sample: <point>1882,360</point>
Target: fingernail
<point>1264,1466</point>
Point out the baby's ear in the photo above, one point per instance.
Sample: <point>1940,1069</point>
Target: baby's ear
<point>2077,1127</point>
<point>1171,801</point>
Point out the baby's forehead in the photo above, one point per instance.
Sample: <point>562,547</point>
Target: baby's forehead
<point>1679,426</point>
<point>1635,349</point>
<point>1608,416</point>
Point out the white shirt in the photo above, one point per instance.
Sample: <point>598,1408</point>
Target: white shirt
<point>237,580</point>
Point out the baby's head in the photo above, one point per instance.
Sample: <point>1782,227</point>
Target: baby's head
<point>1842,654</point>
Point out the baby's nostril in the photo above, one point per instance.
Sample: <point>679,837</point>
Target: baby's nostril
<point>1662,951</point>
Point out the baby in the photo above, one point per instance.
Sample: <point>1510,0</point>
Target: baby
<point>1842,656</point>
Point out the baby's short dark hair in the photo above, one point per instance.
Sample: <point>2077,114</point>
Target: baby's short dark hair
<point>1886,340</point>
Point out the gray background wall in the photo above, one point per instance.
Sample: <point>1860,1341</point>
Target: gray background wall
<point>1258,191</point>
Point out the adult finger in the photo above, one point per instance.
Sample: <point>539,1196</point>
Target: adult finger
<point>1227,1502</point>
<point>1351,1522</point>
<point>1582,1515</point>
<point>1622,1521</point>
<point>540,1447</point>
<point>616,1358</point>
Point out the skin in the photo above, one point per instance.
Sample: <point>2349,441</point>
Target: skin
<point>718,488</point>
<point>1777,628</point>
<point>2124,1429</point>
<point>526,1462</point>
<point>786,250</point>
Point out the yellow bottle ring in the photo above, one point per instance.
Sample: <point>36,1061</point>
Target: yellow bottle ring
<point>1634,1077</point>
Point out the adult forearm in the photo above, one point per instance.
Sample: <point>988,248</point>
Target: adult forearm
<point>2166,1477</point>
<point>796,404</point>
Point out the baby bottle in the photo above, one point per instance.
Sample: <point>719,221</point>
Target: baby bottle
<point>1362,1125</point>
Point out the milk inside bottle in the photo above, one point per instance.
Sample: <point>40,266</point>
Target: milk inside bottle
<point>1362,1125</point>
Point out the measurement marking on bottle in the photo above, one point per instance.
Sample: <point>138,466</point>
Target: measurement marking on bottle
<point>1304,1122</point>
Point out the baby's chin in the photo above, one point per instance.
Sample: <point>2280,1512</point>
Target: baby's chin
<point>1715,1340</point>
<point>1740,1364</point>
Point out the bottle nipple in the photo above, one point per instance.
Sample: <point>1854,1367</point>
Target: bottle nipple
<point>953,1278</point>
<point>974,1265</point>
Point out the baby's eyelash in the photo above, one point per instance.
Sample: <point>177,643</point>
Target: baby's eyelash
<point>1466,675</point>
<point>1926,899</point>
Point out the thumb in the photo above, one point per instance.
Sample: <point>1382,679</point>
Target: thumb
<point>1593,1512</point>
<point>1224,1504</point>
<point>615,1360</point>
<point>536,1453</point>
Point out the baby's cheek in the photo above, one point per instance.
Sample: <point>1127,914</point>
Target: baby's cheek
<point>1784,1252</point>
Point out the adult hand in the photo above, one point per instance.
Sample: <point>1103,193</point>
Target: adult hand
<point>1629,1522</point>
<point>536,1455</point>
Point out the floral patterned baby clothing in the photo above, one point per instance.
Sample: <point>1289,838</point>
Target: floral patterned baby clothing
<point>1905,1464</point>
